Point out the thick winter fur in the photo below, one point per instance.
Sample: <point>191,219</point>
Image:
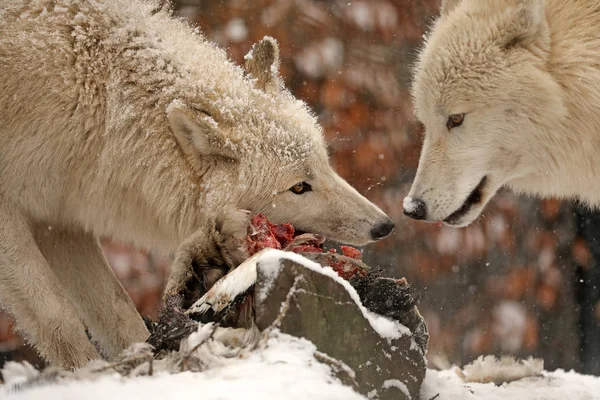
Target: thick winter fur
<point>526,74</point>
<point>120,121</point>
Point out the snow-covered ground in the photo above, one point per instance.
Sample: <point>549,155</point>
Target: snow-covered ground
<point>557,385</point>
<point>288,371</point>
<point>285,369</point>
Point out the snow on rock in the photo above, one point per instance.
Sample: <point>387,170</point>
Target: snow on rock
<point>270,260</point>
<point>270,271</point>
<point>285,368</point>
<point>557,385</point>
<point>397,384</point>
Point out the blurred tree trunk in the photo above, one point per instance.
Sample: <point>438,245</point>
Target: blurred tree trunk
<point>587,292</point>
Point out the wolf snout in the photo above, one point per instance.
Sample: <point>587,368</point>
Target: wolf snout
<point>382,230</point>
<point>415,208</point>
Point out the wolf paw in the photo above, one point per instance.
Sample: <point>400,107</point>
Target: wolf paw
<point>232,228</point>
<point>197,264</point>
<point>205,257</point>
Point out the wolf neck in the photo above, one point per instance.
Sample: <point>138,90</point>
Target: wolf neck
<point>155,199</point>
<point>575,65</point>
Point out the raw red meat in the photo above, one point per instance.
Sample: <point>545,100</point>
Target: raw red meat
<point>284,234</point>
<point>263,234</point>
<point>306,243</point>
<point>351,252</point>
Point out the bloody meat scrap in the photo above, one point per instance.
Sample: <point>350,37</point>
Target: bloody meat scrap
<point>263,234</point>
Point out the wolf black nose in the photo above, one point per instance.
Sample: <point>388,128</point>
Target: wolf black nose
<point>382,230</point>
<point>415,208</point>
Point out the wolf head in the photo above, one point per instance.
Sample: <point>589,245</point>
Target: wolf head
<point>488,104</point>
<point>258,148</point>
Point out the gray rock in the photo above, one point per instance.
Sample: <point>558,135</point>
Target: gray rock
<point>306,303</point>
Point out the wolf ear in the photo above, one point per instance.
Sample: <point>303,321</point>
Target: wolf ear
<point>527,24</point>
<point>262,63</point>
<point>197,133</point>
<point>448,6</point>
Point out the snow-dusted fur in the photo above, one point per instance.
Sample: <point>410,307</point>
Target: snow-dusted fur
<point>526,74</point>
<point>118,120</point>
<point>505,369</point>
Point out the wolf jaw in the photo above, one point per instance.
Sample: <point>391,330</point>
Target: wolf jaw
<point>474,199</point>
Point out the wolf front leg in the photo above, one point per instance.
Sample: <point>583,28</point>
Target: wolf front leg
<point>198,264</point>
<point>32,293</point>
<point>77,260</point>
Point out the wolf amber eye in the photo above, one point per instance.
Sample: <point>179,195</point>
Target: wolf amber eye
<point>455,120</point>
<point>300,188</point>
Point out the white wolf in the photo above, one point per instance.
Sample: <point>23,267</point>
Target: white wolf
<point>509,94</point>
<point>118,120</point>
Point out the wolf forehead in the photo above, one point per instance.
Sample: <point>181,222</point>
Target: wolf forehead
<point>255,123</point>
<point>467,54</point>
<point>287,130</point>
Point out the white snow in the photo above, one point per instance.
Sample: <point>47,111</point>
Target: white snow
<point>397,384</point>
<point>286,368</point>
<point>270,271</point>
<point>175,104</point>
<point>15,373</point>
<point>203,333</point>
<point>282,366</point>
<point>557,385</point>
<point>408,204</point>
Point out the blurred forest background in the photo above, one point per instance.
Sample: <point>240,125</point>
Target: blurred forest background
<point>522,280</point>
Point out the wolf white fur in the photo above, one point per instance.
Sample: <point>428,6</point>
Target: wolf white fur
<point>526,76</point>
<point>118,120</point>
